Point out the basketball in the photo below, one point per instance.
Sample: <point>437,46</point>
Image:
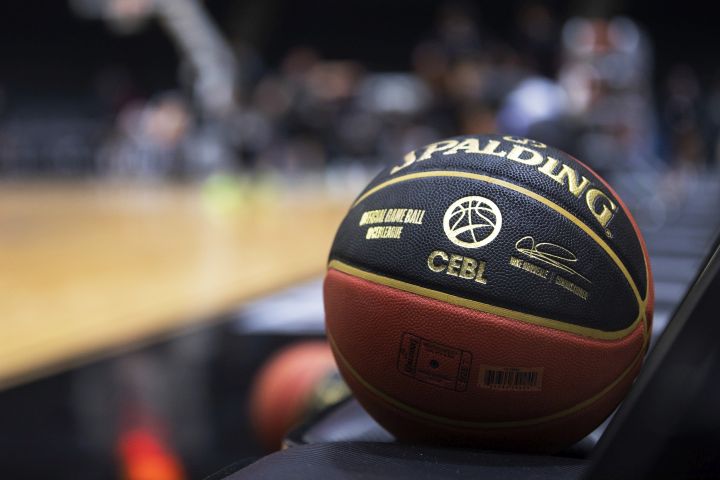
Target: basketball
<point>491,291</point>
<point>284,389</point>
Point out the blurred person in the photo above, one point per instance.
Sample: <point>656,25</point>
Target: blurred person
<point>431,63</point>
<point>537,37</point>
<point>535,99</point>
<point>682,113</point>
<point>263,121</point>
<point>457,30</point>
<point>468,71</point>
<point>310,97</point>
<point>476,118</point>
<point>399,104</point>
<point>172,135</point>
<point>466,80</point>
<point>606,75</point>
<point>150,139</point>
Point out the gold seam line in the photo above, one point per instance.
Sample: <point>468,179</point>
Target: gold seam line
<point>524,191</point>
<point>483,307</point>
<point>487,425</point>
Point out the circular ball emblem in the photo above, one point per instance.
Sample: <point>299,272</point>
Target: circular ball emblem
<point>472,222</point>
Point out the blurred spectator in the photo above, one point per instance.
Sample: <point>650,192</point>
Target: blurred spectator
<point>683,114</point>
<point>150,139</point>
<point>537,37</point>
<point>606,75</point>
<point>582,84</point>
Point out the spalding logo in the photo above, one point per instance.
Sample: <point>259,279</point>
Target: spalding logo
<point>600,204</point>
<point>472,222</point>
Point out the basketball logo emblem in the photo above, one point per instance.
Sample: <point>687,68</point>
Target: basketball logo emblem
<point>472,222</point>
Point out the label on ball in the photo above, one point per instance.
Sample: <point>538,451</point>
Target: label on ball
<point>369,218</point>
<point>552,255</point>
<point>511,378</point>
<point>434,363</point>
<point>472,222</point>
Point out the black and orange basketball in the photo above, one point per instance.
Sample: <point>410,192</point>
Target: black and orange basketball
<point>489,290</point>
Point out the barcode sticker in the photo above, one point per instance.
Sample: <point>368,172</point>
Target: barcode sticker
<point>511,378</point>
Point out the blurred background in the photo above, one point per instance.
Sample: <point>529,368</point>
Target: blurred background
<point>172,173</point>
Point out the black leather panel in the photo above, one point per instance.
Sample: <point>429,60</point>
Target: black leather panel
<point>535,260</point>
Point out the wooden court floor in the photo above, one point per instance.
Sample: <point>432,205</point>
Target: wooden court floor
<point>90,268</point>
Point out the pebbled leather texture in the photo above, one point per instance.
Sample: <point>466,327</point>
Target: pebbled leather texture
<point>428,391</point>
<point>538,261</point>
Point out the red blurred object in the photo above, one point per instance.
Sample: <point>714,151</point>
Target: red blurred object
<point>145,456</point>
<point>284,389</point>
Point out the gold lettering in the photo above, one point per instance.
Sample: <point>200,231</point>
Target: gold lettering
<point>516,262</point>
<point>571,287</point>
<point>457,266</point>
<point>529,267</point>
<point>383,232</point>
<point>417,217</point>
<point>600,206</point>
<point>480,272</point>
<point>516,153</point>
<point>454,264</point>
<point>467,270</point>
<point>535,270</point>
<point>437,147</point>
<point>408,160</point>
<point>395,215</point>
<point>411,157</point>
<point>431,261</point>
<point>491,147</point>
<point>414,216</point>
<point>469,145</point>
<point>372,216</point>
<point>524,141</point>
<point>575,187</point>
